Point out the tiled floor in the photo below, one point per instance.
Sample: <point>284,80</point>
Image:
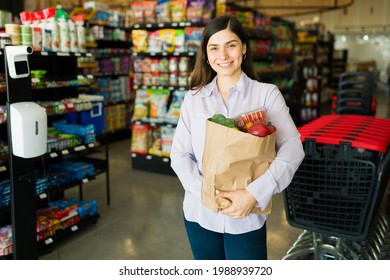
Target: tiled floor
<point>144,220</point>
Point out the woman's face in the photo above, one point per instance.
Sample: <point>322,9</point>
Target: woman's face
<point>224,53</point>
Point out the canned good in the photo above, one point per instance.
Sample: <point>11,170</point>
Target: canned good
<point>164,79</point>
<point>173,78</point>
<point>25,30</point>
<point>164,65</point>
<point>173,64</point>
<point>183,64</point>
<point>182,80</point>
<point>155,67</point>
<point>12,28</point>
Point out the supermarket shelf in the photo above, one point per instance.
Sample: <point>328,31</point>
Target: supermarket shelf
<point>163,54</point>
<point>50,243</point>
<point>151,26</point>
<point>151,163</point>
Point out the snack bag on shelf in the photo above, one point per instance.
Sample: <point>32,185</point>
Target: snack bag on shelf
<point>173,113</point>
<point>233,158</point>
<point>167,37</point>
<point>167,133</point>
<point>158,99</point>
<point>140,40</point>
<point>139,140</point>
<point>178,10</point>
<point>163,13</point>
<point>155,140</point>
<point>141,106</point>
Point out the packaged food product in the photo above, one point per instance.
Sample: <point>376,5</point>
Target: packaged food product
<point>245,120</point>
<point>167,37</point>
<point>163,13</point>
<point>173,113</point>
<point>139,140</point>
<point>140,40</point>
<point>178,10</point>
<point>155,140</point>
<point>141,106</point>
<point>158,99</point>
<point>167,133</point>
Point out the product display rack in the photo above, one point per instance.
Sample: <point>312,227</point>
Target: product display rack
<point>313,64</point>
<point>61,81</point>
<point>110,43</point>
<point>146,161</point>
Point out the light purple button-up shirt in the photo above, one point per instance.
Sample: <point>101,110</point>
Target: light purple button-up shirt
<point>188,144</point>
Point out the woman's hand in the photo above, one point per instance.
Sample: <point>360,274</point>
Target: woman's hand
<point>242,203</point>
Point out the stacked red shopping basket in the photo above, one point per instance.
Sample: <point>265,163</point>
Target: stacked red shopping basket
<point>337,188</point>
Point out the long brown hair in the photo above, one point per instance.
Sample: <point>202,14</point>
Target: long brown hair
<point>203,73</point>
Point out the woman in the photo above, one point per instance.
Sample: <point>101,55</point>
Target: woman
<point>223,82</point>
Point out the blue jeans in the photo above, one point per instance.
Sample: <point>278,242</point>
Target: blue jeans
<point>210,245</point>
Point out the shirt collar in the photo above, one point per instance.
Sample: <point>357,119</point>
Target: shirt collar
<point>240,86</point>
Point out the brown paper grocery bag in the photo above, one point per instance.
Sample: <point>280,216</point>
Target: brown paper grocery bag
<point>232,159</point>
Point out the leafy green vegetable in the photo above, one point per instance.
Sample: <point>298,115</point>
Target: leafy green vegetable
<point>222,120</point>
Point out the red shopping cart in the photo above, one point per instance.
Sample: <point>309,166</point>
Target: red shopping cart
<point>341,181</point>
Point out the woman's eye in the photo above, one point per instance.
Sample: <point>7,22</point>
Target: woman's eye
<point>231,46</point>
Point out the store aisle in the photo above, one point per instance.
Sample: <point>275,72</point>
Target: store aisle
<point>144,220</point>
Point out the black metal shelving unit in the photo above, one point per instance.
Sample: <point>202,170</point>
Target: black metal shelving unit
<point>60,67</point>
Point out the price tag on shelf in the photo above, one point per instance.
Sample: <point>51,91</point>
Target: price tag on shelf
<point>148,25</point>
<point>53,155</point>
<point>91,145</point>
<point>65,152</point>
<point>182,24</point>
<point>3,168</point>
<point>63,54</point>
<point>165,159</point>
<point>35,80</point>
<point>77,54</point>
<point>133,155</point>
<point>85,180</point>
<point>149,157</point>
<point>188,23</point>
<point>80,148</point>
<point>44,53</point>
<point>137,26</point>
<point>89,54</point>
<point>191,53</point>
<point>161,25</point>
<point>176,54</point>
<point>49,241</point>
<point>174,24</point>
<point>42,195</point>
<point>80,77</point>
<point>74,228</point>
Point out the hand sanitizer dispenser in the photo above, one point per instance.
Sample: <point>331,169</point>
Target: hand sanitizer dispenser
<point>28,129</point>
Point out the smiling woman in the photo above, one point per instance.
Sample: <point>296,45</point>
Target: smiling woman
<point>223,82</point>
